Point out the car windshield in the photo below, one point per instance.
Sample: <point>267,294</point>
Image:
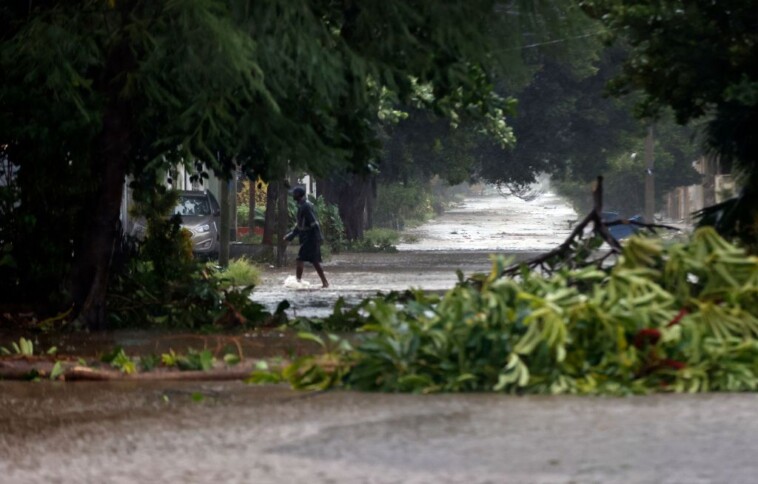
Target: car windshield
<point>192,206</point>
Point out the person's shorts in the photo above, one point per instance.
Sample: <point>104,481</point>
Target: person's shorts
<point>310,251</point>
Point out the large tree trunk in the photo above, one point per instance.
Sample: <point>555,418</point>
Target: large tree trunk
<point>269,224</point>
<point>110,162</point>
<point>233,189</point>
<point>282,224</point>
<point>350,195</point>
<point>371,204</point>
<point>251,207</point>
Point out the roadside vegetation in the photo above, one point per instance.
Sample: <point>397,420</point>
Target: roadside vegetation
<point>377,240</point>
<point>158,283</point>
<point>405,205</point>
<point>663,317</point>
<point>680,318</point>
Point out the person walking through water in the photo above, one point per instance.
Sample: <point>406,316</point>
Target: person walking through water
<point>309,231</point>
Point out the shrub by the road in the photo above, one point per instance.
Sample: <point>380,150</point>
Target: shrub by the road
<point>158,283</point>
<point>377,240</point>
<point>240,272</point>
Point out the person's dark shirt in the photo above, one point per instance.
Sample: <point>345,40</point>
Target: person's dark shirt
<point>307,224</point>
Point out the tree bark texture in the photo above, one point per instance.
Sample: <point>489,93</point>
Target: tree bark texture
<point>233,190</point>
<point>251,207</point>
<point>269,224</point>
<point>110,162</point>
<point>24,368</point>
<point>282,224</point>
<point>371,204</point>
<point>224,224</point>
<point>350,194</point>
<point>649,176</point>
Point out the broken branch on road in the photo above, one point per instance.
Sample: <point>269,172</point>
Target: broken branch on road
<point>575,250</point>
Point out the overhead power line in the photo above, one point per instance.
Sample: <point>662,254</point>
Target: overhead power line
<point>556,41</point>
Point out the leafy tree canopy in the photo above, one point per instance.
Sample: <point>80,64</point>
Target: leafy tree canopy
<point>526,34</point>
<point>698,57</point>
<point>93,90</point>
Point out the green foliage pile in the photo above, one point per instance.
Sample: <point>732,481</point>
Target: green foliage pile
<point>682,318</point>
<point>202,297</point>
<point>192,360</point>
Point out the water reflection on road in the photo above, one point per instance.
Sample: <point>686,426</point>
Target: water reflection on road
<point>462,238</point>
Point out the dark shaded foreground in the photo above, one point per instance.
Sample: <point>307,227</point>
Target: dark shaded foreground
<point>230,432</point>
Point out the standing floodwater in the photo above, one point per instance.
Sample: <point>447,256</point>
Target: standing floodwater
<point>461,238</point>
<point>494,223</point>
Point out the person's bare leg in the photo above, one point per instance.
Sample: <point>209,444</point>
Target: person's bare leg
<point>320,272</point>
<point>299,270</point>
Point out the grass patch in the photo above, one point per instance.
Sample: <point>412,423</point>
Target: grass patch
<point>241,272</point>
<point>377,240</point>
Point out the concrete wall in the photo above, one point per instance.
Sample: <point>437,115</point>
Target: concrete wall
<point>716,187</point>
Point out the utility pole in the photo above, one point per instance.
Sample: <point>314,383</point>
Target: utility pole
<point>223,230</point>
<point>649,180</point>
<point>233,206</point>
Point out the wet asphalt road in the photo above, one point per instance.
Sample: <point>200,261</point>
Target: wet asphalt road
<point>158,432</point>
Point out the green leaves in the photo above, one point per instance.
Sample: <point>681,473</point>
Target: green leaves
<point>56,371</point>
<point>24,347</point>
<point>266,85</point>
<point>194,360</point>
<point>541,335</point>
<point>119,359</point>
<point>163,285</point>
<point>699,59</point>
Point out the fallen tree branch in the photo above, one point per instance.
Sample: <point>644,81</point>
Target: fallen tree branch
<point>25,368</point>
<point>83,373</point>
<point>563,252</point>
<point>645,225</point>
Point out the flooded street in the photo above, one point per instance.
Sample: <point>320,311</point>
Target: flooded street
<point>229,432</point>
<point>463,238</point>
